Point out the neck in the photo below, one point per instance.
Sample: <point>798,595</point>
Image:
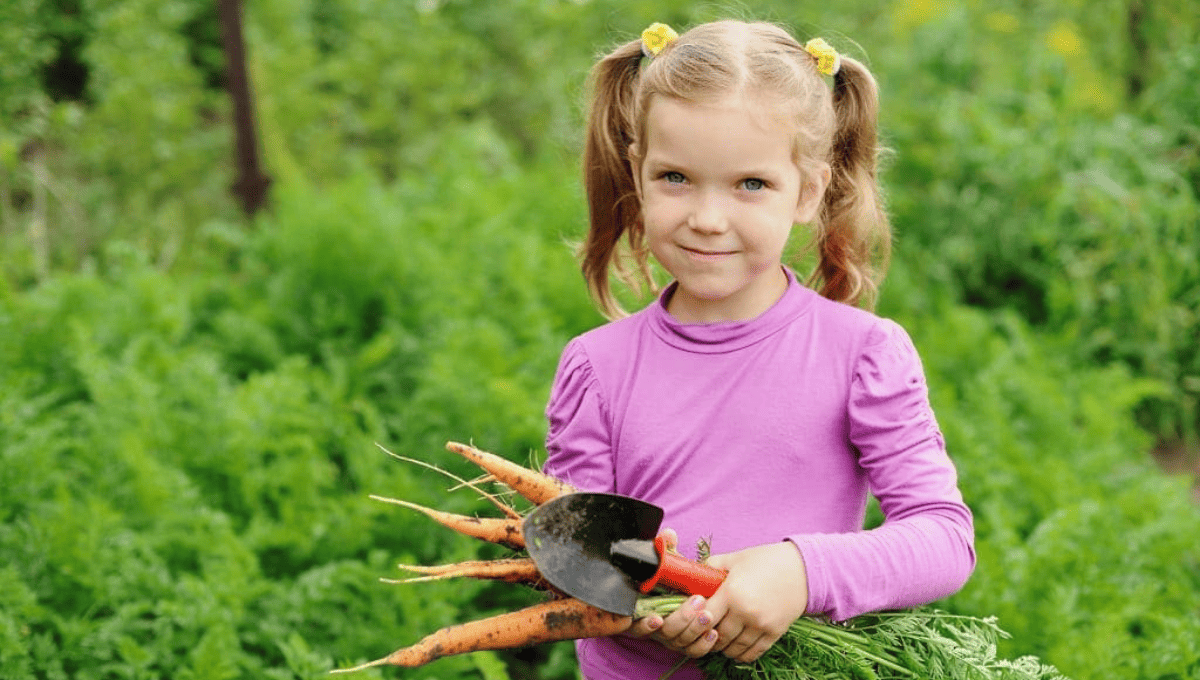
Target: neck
<point>746,305</point>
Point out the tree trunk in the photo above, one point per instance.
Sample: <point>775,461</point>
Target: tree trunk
<point>39,230</point>
<point>6,206</point>
<point>252,183</point>
<point>1139,49</point>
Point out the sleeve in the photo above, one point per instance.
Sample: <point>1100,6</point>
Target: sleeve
<point>925,549</point>
<point>578,441</point>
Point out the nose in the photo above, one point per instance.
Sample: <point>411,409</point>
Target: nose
<point>708,214</point>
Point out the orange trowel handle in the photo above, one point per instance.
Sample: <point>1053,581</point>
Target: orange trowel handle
<point>679,574</point>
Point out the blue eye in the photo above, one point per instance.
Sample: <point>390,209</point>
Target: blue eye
<point>673,177</point>
<point>754,184</point>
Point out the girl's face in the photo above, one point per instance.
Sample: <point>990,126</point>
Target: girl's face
<point>720,193</point>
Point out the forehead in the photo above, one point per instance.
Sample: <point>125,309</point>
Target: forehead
<point>731,128</point>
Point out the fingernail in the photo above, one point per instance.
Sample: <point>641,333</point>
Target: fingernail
<point>704,619</point>
<point>654,623</point>
<point>697,601</point>
<point>710,636</point>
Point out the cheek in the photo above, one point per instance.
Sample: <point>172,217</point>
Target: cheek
<point>774,232</point>
<point>657,214</point>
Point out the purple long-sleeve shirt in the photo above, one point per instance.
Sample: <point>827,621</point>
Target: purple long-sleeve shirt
<point>765,430</point>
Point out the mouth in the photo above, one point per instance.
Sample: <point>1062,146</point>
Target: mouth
<point>706,253</point>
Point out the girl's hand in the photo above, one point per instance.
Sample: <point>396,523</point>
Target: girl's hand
<point>766,590</point>
<point>687,630</point>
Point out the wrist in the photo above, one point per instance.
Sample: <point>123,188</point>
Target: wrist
<point>803,574</point>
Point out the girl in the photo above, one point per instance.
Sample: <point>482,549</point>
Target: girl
<point>757,412</point>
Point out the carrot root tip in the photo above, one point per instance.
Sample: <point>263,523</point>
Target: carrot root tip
<point>417,579</point>
<point>360,667</point>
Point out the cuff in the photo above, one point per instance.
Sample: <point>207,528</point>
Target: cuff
<point>814,573</point>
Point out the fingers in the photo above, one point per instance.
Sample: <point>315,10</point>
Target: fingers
<point>765,590</point>
<point>743,646</point>
<point>719,561</point>
<point>703,645</point>
<point>671,538</point>
<point>687,623</point>
<point>756,650</point>
<point>741,637</point>
<point>747,614</point>
<point>689,629</point>
<point>645,626</point>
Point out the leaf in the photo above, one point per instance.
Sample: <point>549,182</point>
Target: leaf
<point>490,665</point>
<point>214,656</point>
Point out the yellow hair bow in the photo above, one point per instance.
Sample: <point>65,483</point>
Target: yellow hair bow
<point>656,37</point>
<point>828,61</point>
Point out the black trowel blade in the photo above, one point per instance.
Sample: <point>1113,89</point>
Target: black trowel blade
<point>570,538</point>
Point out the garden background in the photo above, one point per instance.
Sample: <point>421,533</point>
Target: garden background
<point>190,400</point>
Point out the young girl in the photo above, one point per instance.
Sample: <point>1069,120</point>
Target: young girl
<point>758,412</point>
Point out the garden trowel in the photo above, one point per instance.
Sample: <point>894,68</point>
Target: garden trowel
<point>604,549</point>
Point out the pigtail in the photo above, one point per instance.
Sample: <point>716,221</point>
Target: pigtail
<point>613,207</point>
<point>854,241</point>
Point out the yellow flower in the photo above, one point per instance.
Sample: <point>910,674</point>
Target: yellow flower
<point>1063,39</point>
<point>656,37</point>
<point>913,13</point>
<point>827,58</point>
<point>1002,22</point>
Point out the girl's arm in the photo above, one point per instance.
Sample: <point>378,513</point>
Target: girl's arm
<point>578,443</point>
<point>925,549</point>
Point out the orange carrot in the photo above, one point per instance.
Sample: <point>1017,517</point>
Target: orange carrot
<point>566,619</point>
<point>514,570</point>
<point>505,531</point>
<point>535,486</point>
<point>501,505</point>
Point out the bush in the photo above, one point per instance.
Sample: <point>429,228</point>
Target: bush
<point>190,404</point>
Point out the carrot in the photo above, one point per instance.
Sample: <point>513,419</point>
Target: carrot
<point>535,486</point>
<point>505,531</point>
<point>566,619</point>
<point>503,507</point>
<point>514,570</point>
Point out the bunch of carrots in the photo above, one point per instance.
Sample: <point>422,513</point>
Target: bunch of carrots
<point>920,643</point>
<point>559,618</point>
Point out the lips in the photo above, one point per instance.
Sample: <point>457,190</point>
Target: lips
<point>705,252</point>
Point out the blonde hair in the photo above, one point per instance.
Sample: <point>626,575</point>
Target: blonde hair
<point>837,126</point>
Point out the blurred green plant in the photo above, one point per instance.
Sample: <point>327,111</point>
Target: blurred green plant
<point>189,405</point>
<point>1063,202</point>
<point>1045,152</point>
<point>185,459</point>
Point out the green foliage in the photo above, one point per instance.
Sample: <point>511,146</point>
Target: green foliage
<point>23,51</point>
<point>163,516</point>
<point>186,458</point>
<point>919,643</point>
<point>189,404</point>
<point>1084,550</point>
<point>1071,196</point>
<point>1083,229</point>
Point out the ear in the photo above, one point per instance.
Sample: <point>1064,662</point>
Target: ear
<point>635,168</point>
<point>812,194</point>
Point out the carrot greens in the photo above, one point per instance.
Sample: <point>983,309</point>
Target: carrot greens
<point>924,643</point>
